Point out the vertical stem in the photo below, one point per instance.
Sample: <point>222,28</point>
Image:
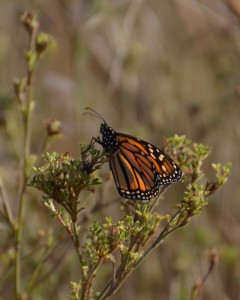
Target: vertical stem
<point>18,244</point>
<point>26,123</point>
<point>80,256</point>
<point>77,247</point>
<point>6,206</point>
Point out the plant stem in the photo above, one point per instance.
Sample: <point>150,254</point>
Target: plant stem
<point>75,239</point>
<point>78,249</point>
<point>18,245</point>
<point>26,123</point>
<point>90,278</point>
<point>6,206</point>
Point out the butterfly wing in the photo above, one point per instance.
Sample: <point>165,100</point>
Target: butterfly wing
<point>139,168</point>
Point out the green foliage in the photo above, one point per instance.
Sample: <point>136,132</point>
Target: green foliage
<point>62,178</point>
<point>190,156</point>
<point>222,172</point>
<point>75,290</point>
<point>125,243</point>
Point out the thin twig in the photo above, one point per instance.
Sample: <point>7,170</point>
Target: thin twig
<point>26,123</point>
<point>197,288</point>
<point>6,206</point>
<point>77,246</point>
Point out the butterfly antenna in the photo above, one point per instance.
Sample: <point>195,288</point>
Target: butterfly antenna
<point>95,114</point>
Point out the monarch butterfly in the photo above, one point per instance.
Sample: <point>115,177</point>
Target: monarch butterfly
<point>139,168</point>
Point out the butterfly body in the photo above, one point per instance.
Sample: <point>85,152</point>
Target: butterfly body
<point>108,138</point>
<point>138,167</point>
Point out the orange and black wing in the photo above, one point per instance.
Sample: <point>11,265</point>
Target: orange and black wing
<point>139,168</point>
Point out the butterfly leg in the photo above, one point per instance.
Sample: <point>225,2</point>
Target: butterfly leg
<point>93,141</point>
<point>96,140</point>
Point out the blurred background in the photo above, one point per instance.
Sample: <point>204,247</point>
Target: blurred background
<point>151,68</point>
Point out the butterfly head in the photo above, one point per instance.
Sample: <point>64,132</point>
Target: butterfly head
<point>108,141</point>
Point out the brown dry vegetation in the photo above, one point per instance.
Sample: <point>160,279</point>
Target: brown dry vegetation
<point>150,68</point>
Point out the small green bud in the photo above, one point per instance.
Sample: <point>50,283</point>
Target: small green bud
<point>54,128</point>
<point>43,42</point>
<point>19,87</point>
<point>30,22</point>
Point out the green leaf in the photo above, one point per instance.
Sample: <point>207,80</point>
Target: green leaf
<point>31,57</point>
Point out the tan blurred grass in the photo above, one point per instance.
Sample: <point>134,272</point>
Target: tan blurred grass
<point>151,68</point>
